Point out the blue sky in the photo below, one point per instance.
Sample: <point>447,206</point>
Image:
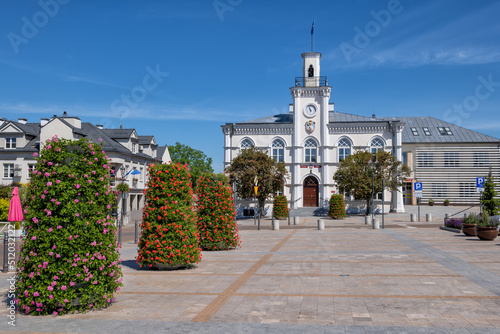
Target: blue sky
<point>180,69</point>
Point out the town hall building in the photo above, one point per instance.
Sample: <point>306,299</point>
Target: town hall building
<point>312,139</point>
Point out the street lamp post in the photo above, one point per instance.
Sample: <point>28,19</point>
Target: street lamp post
<point>122,170</point>
<point>373,160</point>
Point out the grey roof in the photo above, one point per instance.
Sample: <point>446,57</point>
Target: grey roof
<point>119,133</point>
<point>337,116</point>
<point>280,118</point>
<point>32,129</point>
<point>160,151</point>
<point>459,134</point>
<point>145,139</point>
<point>334,116</point>
<point>109,144</point>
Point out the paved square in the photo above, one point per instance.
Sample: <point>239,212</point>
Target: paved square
<point>347,279</point>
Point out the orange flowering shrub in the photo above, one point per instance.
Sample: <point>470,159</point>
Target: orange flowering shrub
<point>280,207</point>
<point>169,235</point>
<point>337,207</point>
<point>216,214</point>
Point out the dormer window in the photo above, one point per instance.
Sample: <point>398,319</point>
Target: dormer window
<point>445,131</point>
<point>134,147</point>
<point>10,143</point>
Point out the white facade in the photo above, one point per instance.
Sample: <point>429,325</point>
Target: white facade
<point>314,138</point>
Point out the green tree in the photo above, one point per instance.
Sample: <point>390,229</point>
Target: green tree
<point>354,175</point>
<point>488,200</point>
<point>196,160</point>
<point>251,163</point>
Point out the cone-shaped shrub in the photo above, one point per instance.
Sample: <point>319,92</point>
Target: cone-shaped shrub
<point>169,235</point>
<point>337,207</point>
<point>216,215</point>
<point>69,260</point>
<point>280,207</point>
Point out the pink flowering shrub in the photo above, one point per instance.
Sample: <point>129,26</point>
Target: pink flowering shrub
<point>70,257</point>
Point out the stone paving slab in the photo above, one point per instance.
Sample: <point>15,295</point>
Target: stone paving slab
<point>348,279</point>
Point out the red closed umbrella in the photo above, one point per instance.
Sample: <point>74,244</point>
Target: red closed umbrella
<point>15,208</point>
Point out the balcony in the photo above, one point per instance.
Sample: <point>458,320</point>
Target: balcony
<point>311,81</point>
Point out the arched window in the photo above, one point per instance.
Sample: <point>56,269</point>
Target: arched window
<point>278,150</point>
<point>311,150</point>
<point>246,143</point>
<point>376,145</point>
<point>344,149</point>
<point>310,71</point>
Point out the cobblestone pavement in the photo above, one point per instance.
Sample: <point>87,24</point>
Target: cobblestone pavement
<point>348,278</point>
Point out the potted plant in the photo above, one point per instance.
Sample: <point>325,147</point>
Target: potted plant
<point>446,202</point>
<point>469,225</point>
<point>135,180</point>
<point>122,187</point>
<point>431,202</point>
<point>18,231</point>
<point>487,227</point>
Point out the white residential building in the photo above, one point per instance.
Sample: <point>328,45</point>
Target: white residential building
<point>20,139</point>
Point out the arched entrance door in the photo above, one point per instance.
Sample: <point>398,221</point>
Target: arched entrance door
<point>310,195</point>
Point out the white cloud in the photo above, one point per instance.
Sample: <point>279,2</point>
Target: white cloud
<point>150,112</point>
<point>406,42</point>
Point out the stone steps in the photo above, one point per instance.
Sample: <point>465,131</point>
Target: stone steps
<point>309,212</point>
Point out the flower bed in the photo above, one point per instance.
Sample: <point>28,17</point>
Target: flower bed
<point>455,223</point>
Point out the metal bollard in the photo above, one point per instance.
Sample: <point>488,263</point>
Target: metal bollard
<point>5,252</point>
<point>288,219</point>
<point>465,215</point>
<point>321,224</point>
<point>376,223</point>
<point>367,220</point>
<point>136,240</point>
<point>276,224</point>
<point>296,220</point>
<point>446,216</point>
<point>412,217</point>
<point>428,217</point>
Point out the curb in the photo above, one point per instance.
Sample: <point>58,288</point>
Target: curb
<point>450,229</point>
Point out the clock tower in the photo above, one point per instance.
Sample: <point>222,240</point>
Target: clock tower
<point>311,95</point>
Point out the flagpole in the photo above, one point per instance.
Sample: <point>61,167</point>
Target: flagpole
<point>312,36</point>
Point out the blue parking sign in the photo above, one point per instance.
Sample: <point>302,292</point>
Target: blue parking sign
<point>418,186</point>
<point>480,182</point>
